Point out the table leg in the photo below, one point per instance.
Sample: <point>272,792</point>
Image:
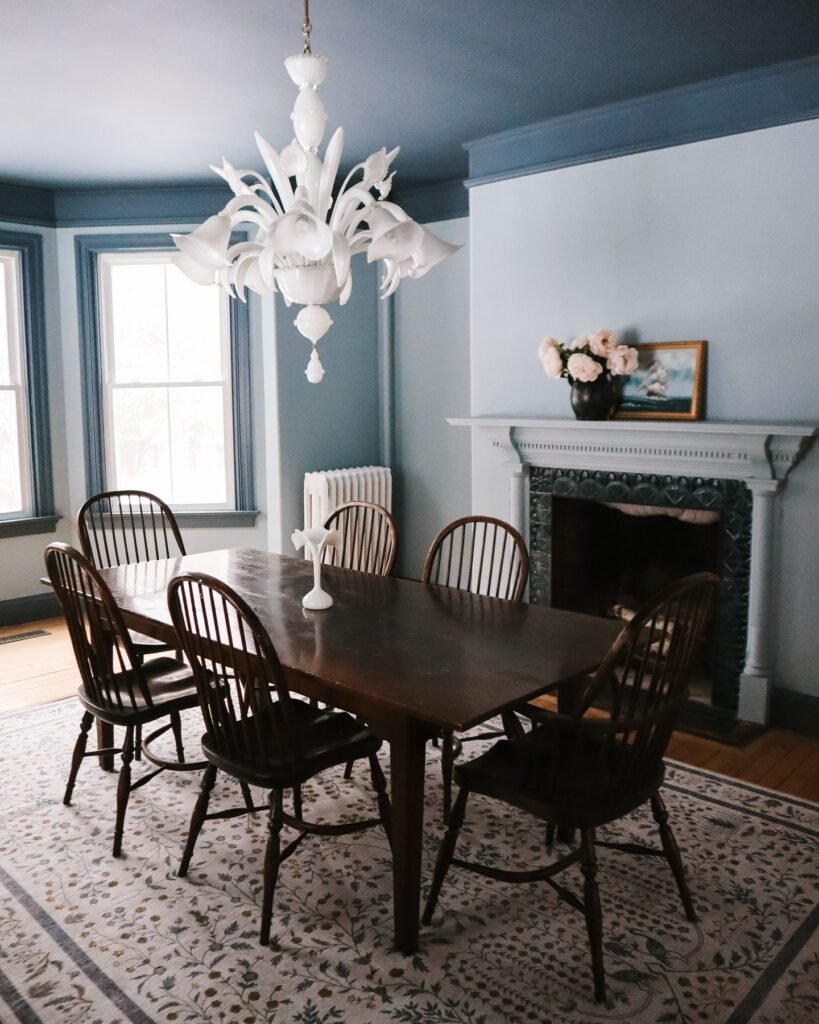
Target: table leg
<point>407,769</point>
<point>105,738</point>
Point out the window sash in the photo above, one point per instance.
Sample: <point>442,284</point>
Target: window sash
<point>12,284</point>
<point>105,263</point>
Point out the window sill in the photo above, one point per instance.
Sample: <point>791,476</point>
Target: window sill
<point>30,525</point>
<point>217,520</point>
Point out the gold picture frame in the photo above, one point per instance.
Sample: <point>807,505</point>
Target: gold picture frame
<point>667,384</point>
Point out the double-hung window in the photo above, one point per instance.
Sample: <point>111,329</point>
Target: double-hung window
<point>26,502</point>
<point>167,379</point>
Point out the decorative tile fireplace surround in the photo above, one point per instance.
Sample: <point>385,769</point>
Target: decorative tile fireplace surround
<point>685,458</point>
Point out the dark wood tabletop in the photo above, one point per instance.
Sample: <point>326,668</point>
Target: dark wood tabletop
<point>409,658</point>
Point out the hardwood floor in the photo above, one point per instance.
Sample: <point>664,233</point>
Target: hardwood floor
<point>41,669</point>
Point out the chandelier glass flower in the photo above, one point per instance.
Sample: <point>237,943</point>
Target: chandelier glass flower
<point>302,233</point>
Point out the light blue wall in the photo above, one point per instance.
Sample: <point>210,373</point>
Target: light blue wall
<point>431,383</point>
<point>332,424</point>
<point>715,240</point>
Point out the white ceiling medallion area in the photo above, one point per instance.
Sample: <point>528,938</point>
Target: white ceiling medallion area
<point>302,238</point>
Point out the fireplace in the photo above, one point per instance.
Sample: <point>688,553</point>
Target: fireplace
<point>593,550</point>
<point>736,469</point>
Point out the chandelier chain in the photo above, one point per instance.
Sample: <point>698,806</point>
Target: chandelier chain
<point>307,27</point>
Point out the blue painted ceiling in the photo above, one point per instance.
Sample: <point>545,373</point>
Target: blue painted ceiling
<point>148,92</point>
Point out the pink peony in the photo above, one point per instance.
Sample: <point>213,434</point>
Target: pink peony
<point>580,342</point>
<point>583,368</point>
<point>550,357</point>
<point>602,343</point>
<point>622,359</point>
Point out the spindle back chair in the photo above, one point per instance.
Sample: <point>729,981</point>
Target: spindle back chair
<point>121,527</point>
<point>577,771</point>
<point>486,556</point>
<point>117,687</point>
<point>254,731</point>
<point>369,538</point>
<point>480,554</point>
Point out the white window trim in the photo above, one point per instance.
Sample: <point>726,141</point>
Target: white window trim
<point>11,264</point>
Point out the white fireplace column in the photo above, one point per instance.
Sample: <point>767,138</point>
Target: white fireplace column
<point>759,454</point>
<point>756,680</point>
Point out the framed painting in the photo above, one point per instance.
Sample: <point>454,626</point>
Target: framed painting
<point>667,384</point>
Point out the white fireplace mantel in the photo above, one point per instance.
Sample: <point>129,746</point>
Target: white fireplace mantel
<point>723,451</point>
<point>760,454</point>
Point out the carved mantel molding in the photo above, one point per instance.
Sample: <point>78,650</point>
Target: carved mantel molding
<point>724,451</point>
<point>759,454</point>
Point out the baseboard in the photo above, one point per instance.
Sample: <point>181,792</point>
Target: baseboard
<point>28,609</point>
<point>797,711</point>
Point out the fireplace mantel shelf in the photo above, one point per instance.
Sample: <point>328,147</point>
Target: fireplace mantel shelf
<point>730,451</point>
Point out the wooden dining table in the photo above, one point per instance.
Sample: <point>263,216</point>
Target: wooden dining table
<point>408,658</point>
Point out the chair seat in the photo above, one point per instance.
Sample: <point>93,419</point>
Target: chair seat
<point>326,738</point>
<point>556,775</point>
<point>147,644</point>
<point>171,686</point>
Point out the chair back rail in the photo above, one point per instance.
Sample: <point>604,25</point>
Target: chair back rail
<point>369,538</point>
<point>243,696</point>
<point>480,554</point>
<point>120,527</point>
<point>102,646</point>
<point>640,687</point>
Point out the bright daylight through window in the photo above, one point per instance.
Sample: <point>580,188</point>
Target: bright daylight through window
<point>15,469</point>
<point>167,382</point>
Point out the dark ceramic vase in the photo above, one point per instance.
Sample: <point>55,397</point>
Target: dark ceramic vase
<point>594,400</point>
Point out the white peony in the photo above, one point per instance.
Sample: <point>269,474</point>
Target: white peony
<point>550,357</point>
<point>622,360</point>
<point>602,343</point>
<point>580,342</point>
<point>583,368</point>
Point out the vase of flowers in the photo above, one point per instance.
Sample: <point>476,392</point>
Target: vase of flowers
<point>590,365</point>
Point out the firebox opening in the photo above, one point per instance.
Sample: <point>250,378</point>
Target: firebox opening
<point>607,562</point>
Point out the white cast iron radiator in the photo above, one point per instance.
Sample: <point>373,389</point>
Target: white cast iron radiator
<point>324,491</point>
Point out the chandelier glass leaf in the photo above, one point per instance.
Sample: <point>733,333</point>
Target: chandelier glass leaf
<point>303,234</point>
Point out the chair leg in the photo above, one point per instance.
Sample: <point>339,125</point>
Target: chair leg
<point>445,854</point>
<point>123,788</point>
<point>672,854</point>
<point>380,787</point>
<point>176,728</point>
<point>594,915</point>
<point>271,863</point>
<point>200,809</point>
<point>348,769</point>
<point>247,796</point>
<point>447,767</point>
<point>77,756</point>
<point>550,835</point>
<point>138,743</point>
<point>297,803</point>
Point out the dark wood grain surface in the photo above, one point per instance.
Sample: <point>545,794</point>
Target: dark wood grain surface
<point>409,658</point>
<point>437,655</point>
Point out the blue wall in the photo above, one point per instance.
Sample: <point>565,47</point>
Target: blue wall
<point>334,423</point>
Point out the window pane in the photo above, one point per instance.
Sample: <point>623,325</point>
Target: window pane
<point>11,486</point>
<point>142,456</point>
<point>194,329</point>
<point>5,367</point>
<point>140,350</point>
<point>198,445</point>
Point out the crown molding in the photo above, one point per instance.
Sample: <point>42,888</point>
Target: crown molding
<point>747,101</point>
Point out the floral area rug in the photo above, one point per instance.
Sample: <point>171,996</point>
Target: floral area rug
<point>84,937</point>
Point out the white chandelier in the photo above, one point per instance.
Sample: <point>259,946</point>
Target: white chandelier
<point>303,237</point>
